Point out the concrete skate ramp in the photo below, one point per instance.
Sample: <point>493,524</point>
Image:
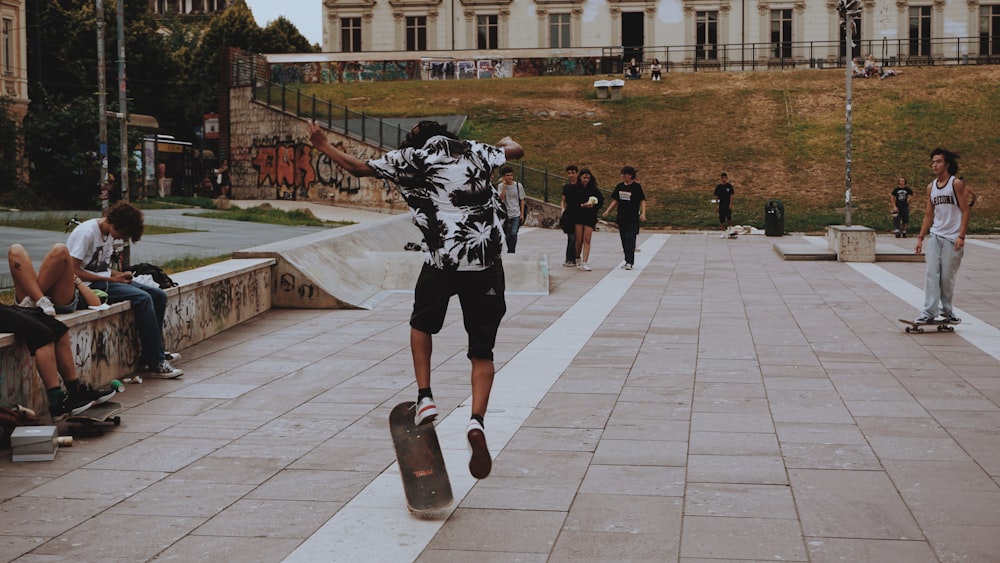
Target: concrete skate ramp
<point>355,267</point>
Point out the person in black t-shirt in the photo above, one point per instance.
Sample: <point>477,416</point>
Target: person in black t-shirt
<point>724,203</point>
<point>630,201</point>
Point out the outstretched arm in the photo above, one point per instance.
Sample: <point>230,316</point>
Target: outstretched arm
<point>511,148</point>
<point>348,162</point>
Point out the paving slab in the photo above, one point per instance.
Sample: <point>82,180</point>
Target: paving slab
<point>715,403</point>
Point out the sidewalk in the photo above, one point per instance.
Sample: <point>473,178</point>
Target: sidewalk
<point>716,403</point>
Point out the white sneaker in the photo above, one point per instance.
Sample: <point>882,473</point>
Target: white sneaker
<point>27,303</point>
<point>585,267</point>
<point>45,304</point>
<point>628,266</point>
<point>426,411</point>
<point>723,235</point>
<point>172,356</point>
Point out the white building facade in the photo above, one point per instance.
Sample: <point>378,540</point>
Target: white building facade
<point>675,31</point>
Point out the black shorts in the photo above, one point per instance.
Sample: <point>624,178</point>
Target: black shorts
<point>31,325</point>
<point>904,213</point>
<point>725,214</point>
<point>479,291</point>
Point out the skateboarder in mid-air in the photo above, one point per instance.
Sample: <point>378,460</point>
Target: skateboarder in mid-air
<point>447,184</point>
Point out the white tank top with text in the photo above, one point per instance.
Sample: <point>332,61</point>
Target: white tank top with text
<point>947,213</point>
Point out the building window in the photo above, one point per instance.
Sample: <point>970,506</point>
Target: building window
<point>920,31</point>
<point>350,35</point>
<point>416,33</point>
<point>781,33</point>
<point>706,30</point>
<point>8,46</point>
<point>487,32</point>
<point>559,31</point>
<point>989,30</point>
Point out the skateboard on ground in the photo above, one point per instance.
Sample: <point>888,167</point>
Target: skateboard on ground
<point>421,464</point>
<point>942,326</point>
<point>102,414</point>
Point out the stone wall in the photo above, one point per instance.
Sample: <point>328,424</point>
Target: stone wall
<point>105,343</point>
<point>272,158</point>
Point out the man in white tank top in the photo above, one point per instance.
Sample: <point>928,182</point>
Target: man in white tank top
<point>946,220</point>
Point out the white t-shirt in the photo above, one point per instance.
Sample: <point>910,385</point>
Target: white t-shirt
<point>87,244</point>
<point>447,185</point>
<point>512,198</point>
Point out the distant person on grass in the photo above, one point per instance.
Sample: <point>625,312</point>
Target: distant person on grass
<point>724,196</point>
<point>447,184</point>
<point>900,200</point>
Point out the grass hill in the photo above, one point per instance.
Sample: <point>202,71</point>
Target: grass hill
<point>779,134</point>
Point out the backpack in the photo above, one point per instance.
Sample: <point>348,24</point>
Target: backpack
<point>154,272</point>
<point>11,419</point>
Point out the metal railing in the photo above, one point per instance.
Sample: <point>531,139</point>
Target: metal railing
<point>385,134</point>
<point>803,54</point>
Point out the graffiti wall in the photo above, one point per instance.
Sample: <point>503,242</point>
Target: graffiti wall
<point>329,72</point>
<point>272,158</point>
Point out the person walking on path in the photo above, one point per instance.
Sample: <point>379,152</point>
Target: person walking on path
<point>900,199</point>
<point>91,246</point>
<point>584,204</point>
<point>946,220</point>
<point>446,182</point>
<point>630,200</point>
<point>572,184</point>
<point>512,195</point>
<point>724,195</point>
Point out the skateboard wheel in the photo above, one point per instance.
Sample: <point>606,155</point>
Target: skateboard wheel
<point>117,420</point>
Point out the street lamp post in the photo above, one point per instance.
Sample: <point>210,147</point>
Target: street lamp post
<point>848,9</point>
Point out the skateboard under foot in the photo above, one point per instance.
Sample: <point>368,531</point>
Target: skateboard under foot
<point>941,326</point>
<point>92,419</point>
<point>421,463</point>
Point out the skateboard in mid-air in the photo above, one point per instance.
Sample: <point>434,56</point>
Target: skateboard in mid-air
<point>421,463</point>
<point>942,326</point>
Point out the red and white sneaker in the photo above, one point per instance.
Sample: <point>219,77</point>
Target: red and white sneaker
<point>427,411</point>
<point>480,462</point>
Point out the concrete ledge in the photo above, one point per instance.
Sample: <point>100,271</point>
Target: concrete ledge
<point>804,252</point>
<point>105,343</point>
<point>852,244</point>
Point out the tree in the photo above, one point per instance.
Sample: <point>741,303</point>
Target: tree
<point>281,36</point>
<point>12,188</point>
<point>173,71</point>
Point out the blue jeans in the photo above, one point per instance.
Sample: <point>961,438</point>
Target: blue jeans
<point>510,227</point>
<point>149,305</point>
<point>942,267</point>
<point>628,233</point>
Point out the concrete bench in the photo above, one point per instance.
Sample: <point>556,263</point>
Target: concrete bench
<point>105,344</point>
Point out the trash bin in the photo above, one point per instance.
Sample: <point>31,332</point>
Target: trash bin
<point>774,218</point>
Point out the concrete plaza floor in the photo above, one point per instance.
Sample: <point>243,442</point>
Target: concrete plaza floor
<point>715,403</point>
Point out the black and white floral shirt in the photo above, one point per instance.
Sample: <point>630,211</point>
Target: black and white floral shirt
<point>447,186</point>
